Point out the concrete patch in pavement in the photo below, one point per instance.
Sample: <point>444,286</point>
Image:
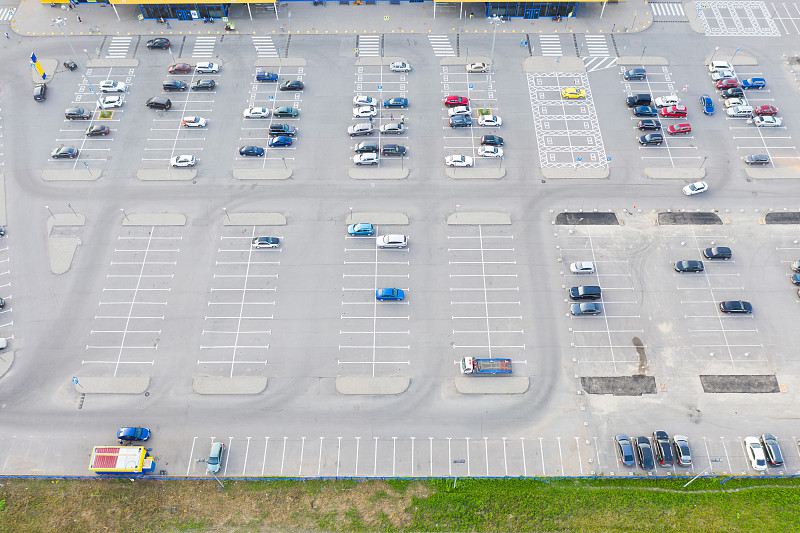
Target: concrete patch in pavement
<point>166,174</point>
<point>71,175</point>
<point>61,250</point>
<point>492,385</point>
<point>253,219</point>
<point>378,173</point>
<point>368,385</point>
<point>223,385</point>
<point>378,218</point>
<point>261,174</point>
<point>112,385</point>
<point>742,384</point>
<point>782,218</point>
<point>674,218</point>
<point>619,385</point>
<point>664,173</point>
<point>473,173</point>
<point>575,173</point>
<point>478,218</point>
<point>154,219</point>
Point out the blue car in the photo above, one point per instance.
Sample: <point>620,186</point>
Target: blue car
<point>266,76</point>
<point>362,228</point>
<point>389,294</point>
<point>281,140</point>
<point>132,434</point>
<point>707,104</point>
<point>256,151</point>
<point>460,121</point>
<point>396,102</point>
<point>754,83</point>
<point>645,111</point>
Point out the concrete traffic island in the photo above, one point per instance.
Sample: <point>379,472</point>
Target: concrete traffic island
<point>491,385</point>
<point>71,175</point>
<point>50,67</point>
<point>223,385</point>
<point>553,64</point>
<point>575,173</point>
<point>153,219</point>
<point>765,173</point>
<point>6,362</point>
<point>642,61</point>
<point>377,218</point>
<point>61,250</point>
<point>478,218</point>
<point>262,173</point>
<point>369,385</point>
<point>466,60</point>
<point>378,173</point>
<point>166,174</point>
<point>111,62</point>
<point>112,385</point>
<point>280,62</point>
<point>472,173</point>
<point>373,61</point>
<point>254,219</point>
<point>666,173</point>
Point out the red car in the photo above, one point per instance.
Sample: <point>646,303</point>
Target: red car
<point>683,127</point>
<point>180,68</point>
<point>453,101</point>
<point>674,111</point>
<point>766,110</point>
<point>727,83</point>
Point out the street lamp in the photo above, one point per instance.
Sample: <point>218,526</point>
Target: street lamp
<point>61,23</point>
<point>494,21</point>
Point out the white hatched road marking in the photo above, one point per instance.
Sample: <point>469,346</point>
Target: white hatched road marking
<point>204,46</point>
<point>119,47</point>
<point>789,17</point>
<point>597,45</point>
<point>264,46</point>
<point>7,13</point>
<point>369,45</point>
<point>667,11</point>
<point>723,19</point>
<point>441,45</point>
<point>550,45</point>
<point>599,63</point>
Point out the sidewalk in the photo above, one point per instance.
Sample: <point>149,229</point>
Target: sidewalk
<point>33,19</point>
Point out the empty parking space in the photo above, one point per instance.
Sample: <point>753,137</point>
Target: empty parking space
<point>375,336</point>
<point>567,130</point>
<point>238,322</point>
<point>485,298</point>
<point>129,319</point>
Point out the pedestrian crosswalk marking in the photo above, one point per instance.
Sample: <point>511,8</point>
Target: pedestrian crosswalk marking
<point>369,45</point>
<point>119,47</point>
<point>7,13</point>
<point>204,46</point>
<point>597,45</point>
<point>441,45</point>
<point>264,46</point>
<point>550,45</point>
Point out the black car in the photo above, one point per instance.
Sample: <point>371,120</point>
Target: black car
<point>40,92</point>
<point>733,92</point>
<point>492,140</point>
<point>97,129</point>
<point>70,64</point>
<point>256,151</point>
<point>174,85</point>
<point>662,448</point>
<point>159,102</point>
<point>585,292</point>
<point>204,85</point>
<point>77,112</point>
<point>292,85</point>
<point>366,146</point>
<point>649,124</point>
<point>635,74</point>
<point>644,453</point>
<point>645,111</point>
<point>638,99</point>
<point>282,129</point>
<point>771,449</point>
<point>689,266</point>
<point>159,42</point>
<point>64,152</point>
<point>736,306</point>
<point>651,138</point>
<point>393,149</point>
<point>757,159</point>
<point>718,252</point>
<point>625,449</point>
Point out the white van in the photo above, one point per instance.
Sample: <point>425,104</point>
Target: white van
<point>719,65</point>
<point>740,111</point>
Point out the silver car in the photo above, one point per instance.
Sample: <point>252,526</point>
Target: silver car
<point>215,457</point>
<point>392,241</point>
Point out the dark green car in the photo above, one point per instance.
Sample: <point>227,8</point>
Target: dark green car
<point>285,111</point>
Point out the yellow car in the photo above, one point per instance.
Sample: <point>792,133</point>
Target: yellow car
<point>572,92</point>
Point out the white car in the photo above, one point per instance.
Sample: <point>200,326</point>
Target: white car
<point>767,121</point>
<point>109,86</point>
<point>392,241</point>
<point>734,102</point>
<point>256,112</point>
<point>109,102</point>
<point>365,111</point>
<point>719,65</point>
<point>755,453</point>
<point>362,100</point>
<point>194,122</point>
<point>458,161</point>
<point>477,67</point>
<point>368,158</point>
<point>666,101</point>
<point>695,188</point>
<point>400,66</point>
<point>182,161</point>
<point>722,75</point>
<point>362,128</point>
<point>490,120</point>
<point>490,151</point>
<point>207,68</point>
<point>582,267</point>
<point>460,110</point>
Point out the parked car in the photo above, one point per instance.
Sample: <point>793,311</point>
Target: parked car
<point>585,308</point>
<point>390,294</point>
<point>755,453</point>
<point>734,92</point>
<point>754,83</point>
<point>280,140</point>
<point>282,129</point>
<point>251,151</point>
<point>585,292</point>
<point>40,92</point>
<point>719,65</point>
<point>767,121</point>
<point>110,102</point>
<point>395,128</point>
<point>174,85</point>
<point>180,68</point>
<point>645,111</point>
<point>662,448</point>
<point>362,228</point>
<point>651,138</point>
<point>644,453</point>
<point>395,102</point>
<point>757,159</point>
<point>74,113</point>
<point>734,102</point>
<point>492,140</point>
<point>490,120</point>
<point>695,188</point>
<point>459,110</point>
<point>365,111</point>
<point>361,100</point>
<point>477,67</point>
<point>265,242</point>
<point>256,112</point>
<point>205,67</point>
<point>367,158</point>
<point>266,76</point>
<point>393,149</point>
<point>649,124</point>
<point>736,306</point>
<point>399,66</point>
<point>159,42</point>
<point>367,146</point>
<point>582,267</point>
<point>772,449</point>
<point>625,449</point>
<point>291,85</point>
<point>453,101</point>
<point>215,457</point>
<point>676,129</point>
<point>727,83</point>
<point>490,151</point>
<point>635,74</point>
<point>194,122</point>
<point>683,453</point>
<point>573,93</point>
<point>718,252</point>
<point>362,128</point>
<point>97,130</point>
<point>707,104</point>
<point>765,110</point>
<point>133,434</point>
<point>722,74</point>
<point>159,102</point>
<point>639,99</point>
<point>674,111</point>
<point>204,85</point>
<point>458,160</point>
<point>182,161</point>
<point>285,111</point>
<point>110,86</point>
<point>392,241</point>
<point>689,266</point>
<point>666,101</point>
<point>460,121</point>
<point>65,152</point>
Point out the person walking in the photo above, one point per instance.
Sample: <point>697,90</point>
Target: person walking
<point>168,26</point>
<point>7,37</point>
<point>402,119</point>
<point>391,116</point>
<point>79,18</point>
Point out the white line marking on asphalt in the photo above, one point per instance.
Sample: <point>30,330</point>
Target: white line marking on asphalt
<point>302,449</point>
<point>561,457</point>
<point>319,460</point>
<point>246,452</point>
<point>505,455</point>
<point>541,449</point>
<point>486,448</point>
<point>412,456</point>
<point>358,443</point>
<point>191,454</point>
<point>578,447</point>
<point>264,459</point>
<point>283,456</point>
<point>375,469</point>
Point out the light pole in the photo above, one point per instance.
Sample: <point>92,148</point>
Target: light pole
<point>61,23</point>
<point>715,52</point>
<point>703,163</point>
<point>494,21</point>
<point>734,55</point>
